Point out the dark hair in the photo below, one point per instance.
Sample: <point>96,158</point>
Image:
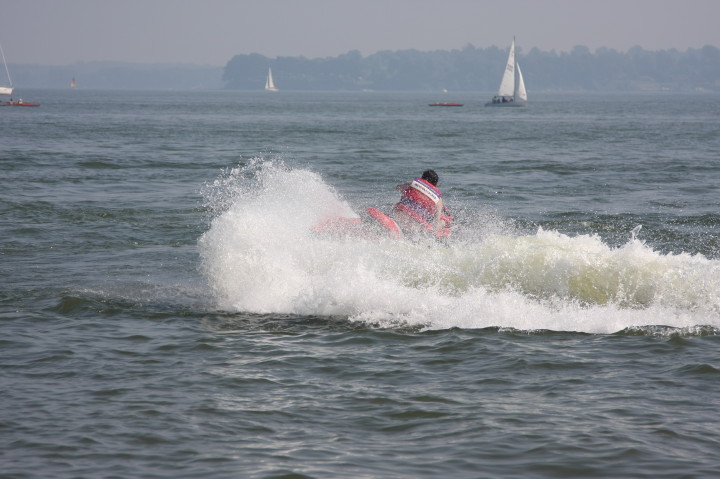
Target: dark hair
<point>431,177</point>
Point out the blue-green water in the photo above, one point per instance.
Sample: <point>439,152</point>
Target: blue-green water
<point>168,311</point>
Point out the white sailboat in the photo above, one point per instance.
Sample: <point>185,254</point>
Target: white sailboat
<point>512,87</point>
<point>269,84</point>
<point>6,90</point>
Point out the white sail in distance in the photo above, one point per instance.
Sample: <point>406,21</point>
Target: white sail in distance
<point>507,85</point>
<point>269,83</point>
<point>6,90</point>
<point>521,93</point>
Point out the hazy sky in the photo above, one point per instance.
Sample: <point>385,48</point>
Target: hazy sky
<point>211,32</point>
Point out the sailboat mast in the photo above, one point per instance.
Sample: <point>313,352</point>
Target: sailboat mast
<point>515,80</point>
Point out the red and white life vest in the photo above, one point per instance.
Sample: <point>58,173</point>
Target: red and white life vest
<point>419,201</point>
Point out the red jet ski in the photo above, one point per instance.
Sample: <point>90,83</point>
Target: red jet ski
<point>369,224</point>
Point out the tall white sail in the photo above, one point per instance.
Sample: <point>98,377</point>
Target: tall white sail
<point>6,90</point>
<point>269,84</point>
<point>507,85</point>
<point>521,93</point>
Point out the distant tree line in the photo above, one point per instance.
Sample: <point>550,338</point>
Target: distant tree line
<point>467,69</point>
<point>479,69</point>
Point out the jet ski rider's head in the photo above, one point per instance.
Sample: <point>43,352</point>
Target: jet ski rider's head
<point>430,176</point>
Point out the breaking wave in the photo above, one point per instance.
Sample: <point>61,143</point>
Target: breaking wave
<point>260,254</point>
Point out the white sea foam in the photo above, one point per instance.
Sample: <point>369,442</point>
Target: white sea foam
<point>260,255</point>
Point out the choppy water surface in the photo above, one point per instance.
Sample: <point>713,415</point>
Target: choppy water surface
<point>168,310</point>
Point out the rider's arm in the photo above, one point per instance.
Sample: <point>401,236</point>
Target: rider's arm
<point>438,223</point>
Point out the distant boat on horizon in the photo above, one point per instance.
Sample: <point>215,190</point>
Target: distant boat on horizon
<point>6,90</point>
<point>73,83</point>
<point>269,83</point>
<point>512,90</point>
<point>19,102</point>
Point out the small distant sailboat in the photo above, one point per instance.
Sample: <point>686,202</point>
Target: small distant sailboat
<point>512,90</point>
<point>269,83</point>
<point>73,83</point>
<point>6,90</point>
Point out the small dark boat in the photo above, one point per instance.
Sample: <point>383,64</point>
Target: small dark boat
<point>445,104</point>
